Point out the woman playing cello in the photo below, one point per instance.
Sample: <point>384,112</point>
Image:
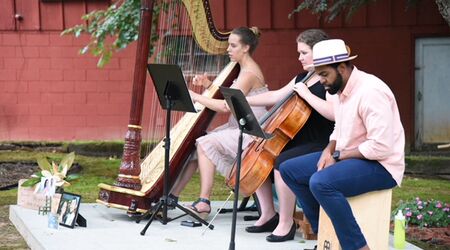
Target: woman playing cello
<point>311,138</point>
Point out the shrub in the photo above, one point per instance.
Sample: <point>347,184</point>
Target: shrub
<point>58,172</point>
<point>430,213</point>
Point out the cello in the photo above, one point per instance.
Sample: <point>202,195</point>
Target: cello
<point>288,116</point>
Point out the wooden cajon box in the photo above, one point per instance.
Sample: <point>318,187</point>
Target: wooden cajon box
<point>304,227</point>
<point>372,212</point>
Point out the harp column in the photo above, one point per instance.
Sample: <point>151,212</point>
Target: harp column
<point>130,167</point>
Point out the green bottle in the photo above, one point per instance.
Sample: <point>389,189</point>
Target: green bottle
<point>399,230</point>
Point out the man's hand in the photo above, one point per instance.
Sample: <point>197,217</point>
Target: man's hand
<point>325,160</point>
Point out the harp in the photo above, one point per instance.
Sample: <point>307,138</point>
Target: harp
<point>139,184</point>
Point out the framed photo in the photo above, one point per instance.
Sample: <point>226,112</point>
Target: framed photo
<point>68,209</point>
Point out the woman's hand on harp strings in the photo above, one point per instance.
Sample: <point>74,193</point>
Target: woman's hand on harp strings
<point>193,95</point>
<point>201,80</point>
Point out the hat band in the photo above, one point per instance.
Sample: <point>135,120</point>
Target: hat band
<point>331,59</point>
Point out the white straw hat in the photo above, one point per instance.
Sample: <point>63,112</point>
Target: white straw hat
<point>329,52</point>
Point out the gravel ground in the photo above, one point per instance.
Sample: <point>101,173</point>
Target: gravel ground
<point>12,172</point>
<point>9,236</point>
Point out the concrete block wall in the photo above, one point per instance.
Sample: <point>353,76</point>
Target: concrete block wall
<point>51,92</point>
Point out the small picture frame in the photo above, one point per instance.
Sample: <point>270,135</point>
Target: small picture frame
<point>68,209</point>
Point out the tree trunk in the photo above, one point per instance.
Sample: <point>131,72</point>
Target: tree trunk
<point>444,9</point>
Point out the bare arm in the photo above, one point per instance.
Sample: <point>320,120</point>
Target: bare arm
<point>271,97</point>
<point>244,82</point>
<point>213,104</point>
<point>324,107</point>
<point>216,105</point>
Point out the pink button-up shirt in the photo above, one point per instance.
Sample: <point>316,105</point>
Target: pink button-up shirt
<point>367,118</point>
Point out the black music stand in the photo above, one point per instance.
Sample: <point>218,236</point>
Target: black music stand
<point>255,207</point>
<point>173,94</point>
<point>247,124</point>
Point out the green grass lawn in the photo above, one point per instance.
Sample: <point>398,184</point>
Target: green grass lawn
<point>437,189</point>
<point>97,170</point>
<point>104,170</point>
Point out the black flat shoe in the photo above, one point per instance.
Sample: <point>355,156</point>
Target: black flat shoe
<point>288,236</point>
<point>269,226</point>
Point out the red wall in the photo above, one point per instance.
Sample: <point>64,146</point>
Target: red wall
<point>50,92</point>
<point>382,34</point>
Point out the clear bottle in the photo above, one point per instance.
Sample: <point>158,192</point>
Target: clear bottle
<point>399,230</point>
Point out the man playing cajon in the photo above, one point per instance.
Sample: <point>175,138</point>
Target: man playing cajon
<point>366,149</point>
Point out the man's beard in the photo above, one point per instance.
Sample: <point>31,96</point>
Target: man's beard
<point>337,84</point>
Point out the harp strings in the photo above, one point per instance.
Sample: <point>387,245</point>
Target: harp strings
<point>172,31</point>
<point>176,45</point>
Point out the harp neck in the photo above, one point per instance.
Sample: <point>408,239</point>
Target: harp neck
<point>205,34</point>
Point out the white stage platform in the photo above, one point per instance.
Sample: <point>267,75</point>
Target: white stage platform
<point>110,229</point>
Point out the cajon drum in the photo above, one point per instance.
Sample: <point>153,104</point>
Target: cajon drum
<point>372,212</point>
<point>304,227</point>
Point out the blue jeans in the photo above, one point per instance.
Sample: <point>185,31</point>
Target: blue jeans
<point>330,187</point>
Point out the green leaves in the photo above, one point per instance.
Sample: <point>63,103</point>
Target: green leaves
<point>56,171</point>
<point>425,213</point>
<point>66,162</point>
<point>111,30</point>
<point>44,164</point>
<point>72,177</point>
<point>335,8</point>
<point>31,182</point>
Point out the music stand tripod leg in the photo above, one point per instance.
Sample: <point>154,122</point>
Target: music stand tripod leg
<point>163,201</point>
<point>150,212</point>
<point>255,207</point>
<point>151,218</point>
<point>162,204</point>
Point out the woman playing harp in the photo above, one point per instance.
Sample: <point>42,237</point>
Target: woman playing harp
<point>217,149</point>
<point>186,37</point>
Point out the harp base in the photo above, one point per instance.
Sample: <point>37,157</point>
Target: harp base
<point>133,201</point>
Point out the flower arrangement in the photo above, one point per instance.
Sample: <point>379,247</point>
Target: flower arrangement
<point>53,171</point>
<point>430,213</point>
